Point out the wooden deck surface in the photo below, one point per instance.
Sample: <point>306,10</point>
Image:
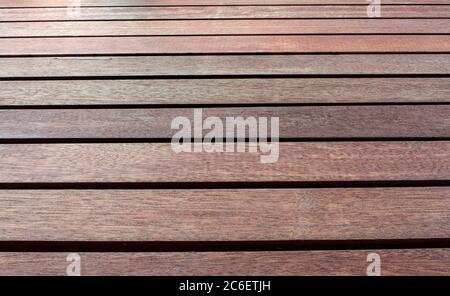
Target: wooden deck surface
<point>88,96</point>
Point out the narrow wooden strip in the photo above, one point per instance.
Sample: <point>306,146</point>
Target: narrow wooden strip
<point>295,122</point>
<point>393,262</point>
<point>226,65</point>
<point>224,44</point>
<point>296,162</point>
<point>221,12</point>
<point>240,214</point>
<point>227,27</point>
<point>84,3</point>
<point>224,91</point>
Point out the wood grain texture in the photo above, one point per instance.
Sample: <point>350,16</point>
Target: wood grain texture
<point>225,215</point>
<point>165,33</point>
<point>84,3</point>
<point>225,27</point>
<point>295,122</point>
<point>224,91</point>
<point>343,64</point>
<point>221,12</point>
<point>224,44</point>
<point>298,162</point>
<point>394,262</point>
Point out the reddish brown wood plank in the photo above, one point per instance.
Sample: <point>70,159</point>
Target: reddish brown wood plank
<point>295,122</point>
<point>221,12</point>
<point>298,162</point>
<point>59,3</point>
<point>240,214</point>
<point>226,65</point>
<point>227,27</point>
<point>393,262</point>
<point>224,91</point>
<point>224,44</point>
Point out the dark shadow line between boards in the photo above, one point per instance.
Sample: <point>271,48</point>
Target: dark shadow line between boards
<point>221,76</point>
<point>222,246</point>
<point>225,185</point>
<point>156,140</point>
<point>212,106</point>
<point>187,54</point>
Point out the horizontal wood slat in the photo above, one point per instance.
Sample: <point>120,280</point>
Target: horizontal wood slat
<point>226,65</point>
<point>295,122</point>
<point>59,3</point>
<point>228,27</point>
<point>394,262</point>
<point>221,12</point>
<point>298,162</point>
<point>224,44</point>
<point>224,91</point>
<point>225,215</point>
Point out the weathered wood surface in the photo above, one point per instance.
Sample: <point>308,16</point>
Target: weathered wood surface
<point>228,65</point>
<point>225,44</point>
<point>222,91</point>
<point>296,122</point>
<point>221,12</point>
<point>225,214</point>
<point>157,162</point>
<point>87,101</point>
<point>109,3</point>
<point>394,262</point>
<point>226,27</point>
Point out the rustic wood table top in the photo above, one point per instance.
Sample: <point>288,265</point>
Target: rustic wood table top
<point>92,94</point>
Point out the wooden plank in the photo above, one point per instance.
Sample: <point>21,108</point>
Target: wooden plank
<point>393,262</point>
<point>224,44</point>
<point>84,3</point>
<point>225,27</point>
<point>221,12</point>
<point>240,214</point>
<point>224,91</point>
<point>400,64</point>
<point>295,122</point>
<point>157,162</point>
